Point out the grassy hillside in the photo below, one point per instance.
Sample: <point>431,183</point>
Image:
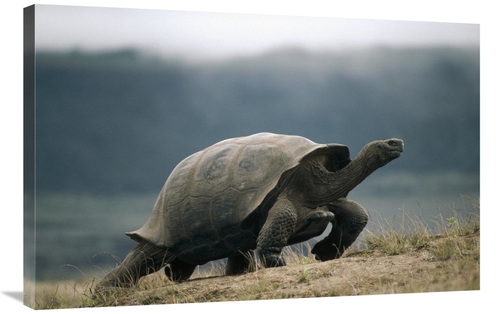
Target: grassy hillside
<point>399,257</point>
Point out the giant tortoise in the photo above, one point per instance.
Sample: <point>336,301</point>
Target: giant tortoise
<point>255,193</point>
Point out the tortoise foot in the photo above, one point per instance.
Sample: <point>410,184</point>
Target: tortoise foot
<point>271,259</point>
<point>324,251</point>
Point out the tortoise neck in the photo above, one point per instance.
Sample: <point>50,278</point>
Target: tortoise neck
<point>353,174</point>
<point>329,186</point>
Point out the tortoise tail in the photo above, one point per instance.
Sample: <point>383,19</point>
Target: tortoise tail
<point>144,259</point>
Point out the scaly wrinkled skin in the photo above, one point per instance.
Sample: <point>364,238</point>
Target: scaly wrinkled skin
<point>313,186</point>
<point>275,233</point>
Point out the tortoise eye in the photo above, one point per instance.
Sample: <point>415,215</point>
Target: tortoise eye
<point>392,143</point>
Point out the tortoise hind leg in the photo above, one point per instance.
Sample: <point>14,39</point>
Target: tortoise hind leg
<point>240,264</point>
<point>178,270</point>
<point>144,259</point>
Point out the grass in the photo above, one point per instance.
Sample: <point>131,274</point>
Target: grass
<point>406,254</point>
<point>395,237</point>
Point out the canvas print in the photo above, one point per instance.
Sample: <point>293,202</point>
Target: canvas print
<point>190,157</point>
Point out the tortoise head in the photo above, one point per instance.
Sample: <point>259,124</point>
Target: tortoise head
<point>384,151</point>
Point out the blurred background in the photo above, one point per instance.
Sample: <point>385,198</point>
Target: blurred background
<point>123,95</point>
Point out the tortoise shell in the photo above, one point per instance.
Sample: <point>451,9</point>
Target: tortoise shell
<point>212,204</point>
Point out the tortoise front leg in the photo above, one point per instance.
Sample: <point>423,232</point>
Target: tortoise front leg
<point>275,232</point>
<point>350,219</point>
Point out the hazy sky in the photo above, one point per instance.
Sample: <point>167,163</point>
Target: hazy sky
<point>196,34</point>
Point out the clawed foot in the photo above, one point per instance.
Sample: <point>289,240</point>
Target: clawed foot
<point>321,215</point>
<point>271,259</point>
<point>325,251</point>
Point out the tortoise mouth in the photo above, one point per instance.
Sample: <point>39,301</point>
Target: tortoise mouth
<point>396,152</point>
<point>393,155</point>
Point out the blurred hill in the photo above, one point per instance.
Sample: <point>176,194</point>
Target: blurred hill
<point>119,121</point>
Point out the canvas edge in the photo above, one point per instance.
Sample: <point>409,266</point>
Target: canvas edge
<point>29,155</point>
